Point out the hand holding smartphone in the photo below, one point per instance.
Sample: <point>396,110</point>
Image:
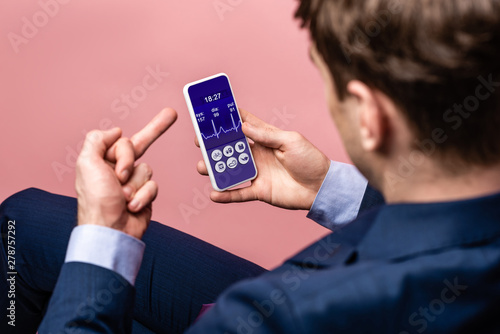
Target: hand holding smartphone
<point>217,123</point>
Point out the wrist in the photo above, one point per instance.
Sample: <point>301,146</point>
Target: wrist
<point>100,218</point>
<point>107,248</point>
<point>320,179</point>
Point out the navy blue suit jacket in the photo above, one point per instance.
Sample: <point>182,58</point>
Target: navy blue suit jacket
<point>89,299</point>
<point>409,268</point>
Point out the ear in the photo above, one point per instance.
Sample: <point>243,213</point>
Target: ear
<point>371,114</point>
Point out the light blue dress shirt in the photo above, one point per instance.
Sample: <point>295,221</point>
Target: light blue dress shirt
<point>108,248</point>
<point>339,198</point>
<point>336,204</point>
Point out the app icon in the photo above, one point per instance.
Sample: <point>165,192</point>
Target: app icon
<point>220,166</point>
<point>216,155</point>
<point>244,158</point>
<point>240,146</point>
<point>232,162</point>
<point>228,151</point>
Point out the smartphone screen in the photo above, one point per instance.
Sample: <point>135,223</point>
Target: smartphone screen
<point>218,123</point>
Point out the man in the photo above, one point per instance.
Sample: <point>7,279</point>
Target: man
<point>413,89</point>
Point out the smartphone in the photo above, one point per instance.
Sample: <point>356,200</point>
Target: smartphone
<point>217,123</point>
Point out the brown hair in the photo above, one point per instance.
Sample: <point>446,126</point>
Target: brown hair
<point>438,60</point>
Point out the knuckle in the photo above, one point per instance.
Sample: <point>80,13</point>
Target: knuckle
<point>83,159</point>
<point>296,136</point>
<point>124,141</point>
<point>241,195</point>
<point>269,132</point>
<point>80,162</point>
<point>93,135</point>
<point>123,146</point>
<point>146,169</point>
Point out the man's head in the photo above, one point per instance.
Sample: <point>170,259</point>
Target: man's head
<point>427,68</point>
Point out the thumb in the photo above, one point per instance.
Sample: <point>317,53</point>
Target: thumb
<point>267,136</point>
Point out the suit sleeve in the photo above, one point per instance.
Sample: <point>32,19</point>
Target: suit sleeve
<point>371,199</point>
<point>254,306</point>
<point>89,299</point>
<point>94,292</point>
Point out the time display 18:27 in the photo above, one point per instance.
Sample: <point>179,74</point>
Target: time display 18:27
<point>215,97</point>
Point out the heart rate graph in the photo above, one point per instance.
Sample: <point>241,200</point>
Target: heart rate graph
<point>224,128</point>
<point>221,130</point>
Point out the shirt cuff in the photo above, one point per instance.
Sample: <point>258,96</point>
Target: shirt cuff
<point>339,198</point>
<point>108,248</point>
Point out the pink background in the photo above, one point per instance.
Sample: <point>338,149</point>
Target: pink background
<point>67,76</point>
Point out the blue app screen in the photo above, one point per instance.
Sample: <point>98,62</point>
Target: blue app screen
<point>220,128</point>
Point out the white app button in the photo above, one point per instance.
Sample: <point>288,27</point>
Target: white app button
<point>220,166</point>
<point>243,158</point>
<point>228,151</point>
<point>240,147</point>
<point>232,162</point>
<point>216,155</point>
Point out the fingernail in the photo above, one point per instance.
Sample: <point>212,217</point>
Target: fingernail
<point>134,204</point>
<point>124,175</point>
